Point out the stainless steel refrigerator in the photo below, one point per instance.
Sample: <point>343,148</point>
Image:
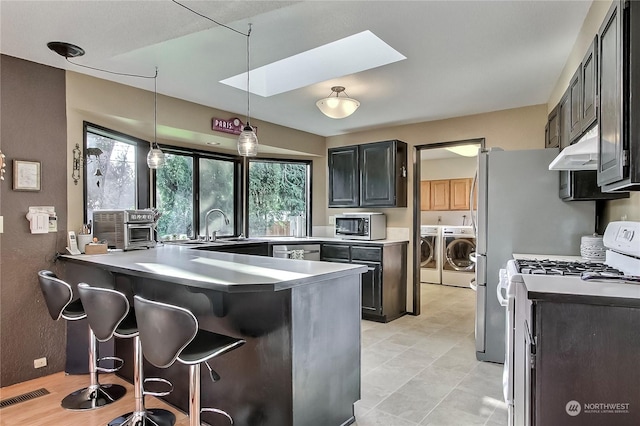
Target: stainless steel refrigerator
<point>519,211</point>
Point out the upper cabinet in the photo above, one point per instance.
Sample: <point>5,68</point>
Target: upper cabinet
<point>344,179</point>
<point>575,101</point>
<point>589,94</point>
<point>619,98</point>
<point>440,198</point>
<point>368,175</point>
<point>425,195</point>
<point>446,194</point>
<point>552,129</point>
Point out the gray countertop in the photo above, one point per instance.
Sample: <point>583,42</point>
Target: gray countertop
<point>544,287</point>
<point>300,240</point>
<point>218,271</point>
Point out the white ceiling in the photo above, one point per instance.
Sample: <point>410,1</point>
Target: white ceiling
<point>463,57</point>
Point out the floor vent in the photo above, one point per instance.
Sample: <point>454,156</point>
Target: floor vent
<point>24,397</point>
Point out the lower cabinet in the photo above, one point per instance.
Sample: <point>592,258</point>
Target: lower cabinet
<point>384,285</point>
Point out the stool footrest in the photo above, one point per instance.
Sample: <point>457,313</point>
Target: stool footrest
<point>157,380</point>
<point>217,411</point>
<point>119,362</point>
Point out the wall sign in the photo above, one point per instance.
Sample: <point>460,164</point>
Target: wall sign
<point>232,125</point>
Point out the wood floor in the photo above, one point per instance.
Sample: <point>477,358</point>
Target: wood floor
<point>46,410</point>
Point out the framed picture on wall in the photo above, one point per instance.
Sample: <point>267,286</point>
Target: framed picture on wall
<point>26,175</point>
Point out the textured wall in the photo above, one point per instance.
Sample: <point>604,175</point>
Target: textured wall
<point>33,127</point>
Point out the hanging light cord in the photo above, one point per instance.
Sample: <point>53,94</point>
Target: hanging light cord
<point>248,67</point>
<point>155,108</point>
<point>212,20</point>
<point>112,72</point>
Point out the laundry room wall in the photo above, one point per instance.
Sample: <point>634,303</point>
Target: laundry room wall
<point>447,168</point>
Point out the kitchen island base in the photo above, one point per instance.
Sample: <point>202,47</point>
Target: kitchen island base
<point>300,365</point>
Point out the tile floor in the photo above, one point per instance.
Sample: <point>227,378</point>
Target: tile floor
<point>422,370</point>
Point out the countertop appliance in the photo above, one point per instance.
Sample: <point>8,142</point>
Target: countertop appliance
<point>458,247</point>
<point>518,211</point>
<point>430,255</point>
<point>361,226</point>
<point>297,251</point>
<point>125,229</point>
<point>564,275</point>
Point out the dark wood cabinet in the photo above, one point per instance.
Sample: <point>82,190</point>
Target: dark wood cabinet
<point>384,285</point>
<point>344,177</point>
<point>552,130</point>
<point>575,105</point>
<point>578,185</point>
<point>368,175</point>
<point>618,100</point>
<point>589,76</point>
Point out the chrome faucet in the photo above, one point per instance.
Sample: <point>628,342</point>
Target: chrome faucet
<point>206,224</point>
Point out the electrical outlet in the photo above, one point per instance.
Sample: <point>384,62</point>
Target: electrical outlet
<point>40,362</point>
<point>332,220</point>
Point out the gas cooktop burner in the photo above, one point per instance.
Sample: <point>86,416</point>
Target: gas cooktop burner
<point>556,267</point>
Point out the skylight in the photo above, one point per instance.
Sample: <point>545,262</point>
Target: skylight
<point>356,53</point>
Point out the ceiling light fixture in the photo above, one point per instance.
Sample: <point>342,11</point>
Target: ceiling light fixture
<point>338,107</point>
<point>155,157</point>
<point>248,140</point>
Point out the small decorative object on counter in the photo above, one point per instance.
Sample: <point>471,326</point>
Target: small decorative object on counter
<point>592,248</point>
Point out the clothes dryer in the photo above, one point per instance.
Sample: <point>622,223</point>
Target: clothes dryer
<point>430,254</point>
<point>458,247</point>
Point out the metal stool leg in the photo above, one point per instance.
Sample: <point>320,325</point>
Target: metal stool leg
<point>140,416</point>
<point>95,395</point>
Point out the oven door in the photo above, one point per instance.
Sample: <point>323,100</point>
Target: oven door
<point>139,235</point>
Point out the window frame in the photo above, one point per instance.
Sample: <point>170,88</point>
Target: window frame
<point>308,193</point>
<point>196,155</point>
<point>142,170</point>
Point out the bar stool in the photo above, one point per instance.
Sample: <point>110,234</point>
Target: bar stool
<point>58,297</point>
<point>170,333</point>
<point>109,315</point>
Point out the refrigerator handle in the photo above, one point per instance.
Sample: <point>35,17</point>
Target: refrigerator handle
<point>471,193</point>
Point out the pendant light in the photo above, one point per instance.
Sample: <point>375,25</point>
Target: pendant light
<point>248,140</point>
<point>155,157</point>
<point>337,107</point>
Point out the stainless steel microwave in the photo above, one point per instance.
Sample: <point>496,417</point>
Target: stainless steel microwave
<point>361,226</point>
<point>125,229</point>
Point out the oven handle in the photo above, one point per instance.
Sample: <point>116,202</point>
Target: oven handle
<point>502,285</point>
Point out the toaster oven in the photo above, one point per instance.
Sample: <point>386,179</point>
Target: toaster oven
<point>125,229</point>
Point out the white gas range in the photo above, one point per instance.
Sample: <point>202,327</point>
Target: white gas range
<point>560,278</point>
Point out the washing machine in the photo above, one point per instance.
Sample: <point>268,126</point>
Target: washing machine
<point>430,254</point>
<point>458,247</point>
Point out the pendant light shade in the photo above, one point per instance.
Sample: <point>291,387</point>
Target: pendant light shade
<point>155,157</point>
<point>248,142</point>
<point>337,106</point>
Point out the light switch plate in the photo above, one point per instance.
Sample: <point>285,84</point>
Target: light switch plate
<point>1,224</point>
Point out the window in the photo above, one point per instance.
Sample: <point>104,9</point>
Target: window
<point>189,185</point>
<point>278,192</point>
<point>114,177</point>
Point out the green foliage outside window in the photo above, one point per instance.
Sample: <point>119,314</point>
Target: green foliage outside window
<point>277,193</point>
<point>174,196</point>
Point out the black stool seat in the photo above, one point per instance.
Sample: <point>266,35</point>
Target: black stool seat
<point>206,345</point>
<point>58,297</point>
<point>109,314</point>
<point>170,333</point>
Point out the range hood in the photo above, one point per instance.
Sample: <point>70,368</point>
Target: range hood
<point>582,155</point>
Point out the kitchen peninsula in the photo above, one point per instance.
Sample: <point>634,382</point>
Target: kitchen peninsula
<point>301,320</point>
